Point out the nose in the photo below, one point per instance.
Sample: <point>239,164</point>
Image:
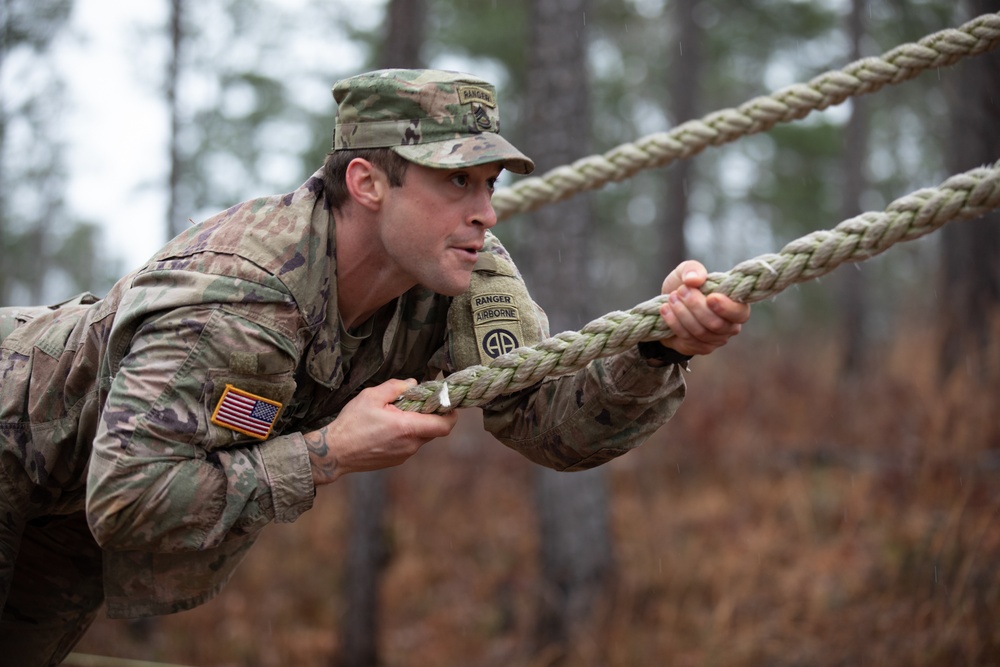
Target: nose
<point>483,213</point>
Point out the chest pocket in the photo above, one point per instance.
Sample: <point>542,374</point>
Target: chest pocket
<point>494,316</point>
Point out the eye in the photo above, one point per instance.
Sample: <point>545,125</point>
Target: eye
<point>492,184</point>
<point>460,180</point>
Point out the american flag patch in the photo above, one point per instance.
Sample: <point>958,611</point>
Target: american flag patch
<point>246,413</point>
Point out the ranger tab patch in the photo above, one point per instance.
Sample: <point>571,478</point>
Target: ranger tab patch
<point>467,94</point>
<point>246,413</point>
<point>497,323</point>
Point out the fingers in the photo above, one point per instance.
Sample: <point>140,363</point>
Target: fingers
<point>692,323</point>
<point>701,324</point>
<point>689,273</point>
<point>387,392</point>
<point>439,425</point>
<point>422,426</point>
<point>393,389</point>
<point>727,309</point>
<point>370,433</point>
<point>412,425</point>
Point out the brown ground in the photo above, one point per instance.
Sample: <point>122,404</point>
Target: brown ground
<point>781,519</point>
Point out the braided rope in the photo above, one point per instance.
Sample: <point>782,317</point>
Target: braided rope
<point>961,197</point>
<point>861,77</point>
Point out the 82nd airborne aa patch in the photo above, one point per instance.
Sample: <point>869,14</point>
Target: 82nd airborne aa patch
<point>497,324</point>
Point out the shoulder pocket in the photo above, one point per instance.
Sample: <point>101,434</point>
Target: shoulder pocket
<point>245,404</point>
<point>494,316</point>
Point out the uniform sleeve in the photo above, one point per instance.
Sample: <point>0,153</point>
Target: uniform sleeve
<point>163,477</point>
<point>569,423</point>
<point>587,418</point>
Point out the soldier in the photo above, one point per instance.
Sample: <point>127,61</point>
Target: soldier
<point>146,438</point>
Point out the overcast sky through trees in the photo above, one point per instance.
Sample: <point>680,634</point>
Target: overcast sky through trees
<point>116,123</point>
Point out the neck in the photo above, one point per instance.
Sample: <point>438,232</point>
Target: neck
<point>364,281</point>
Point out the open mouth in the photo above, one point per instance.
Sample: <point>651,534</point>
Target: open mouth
<point>471,252</point>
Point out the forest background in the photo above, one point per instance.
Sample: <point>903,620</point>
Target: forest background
<point>828,493</point>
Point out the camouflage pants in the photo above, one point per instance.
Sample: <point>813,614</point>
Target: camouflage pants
<point>51,583</point>
<point>51,577</point>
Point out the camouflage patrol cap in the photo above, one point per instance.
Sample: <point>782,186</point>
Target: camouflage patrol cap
<point>431,117</point>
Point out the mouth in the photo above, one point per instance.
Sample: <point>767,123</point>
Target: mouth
<point>471,252</point>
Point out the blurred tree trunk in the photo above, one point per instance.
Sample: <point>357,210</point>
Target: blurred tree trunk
<point>557,132</point>
<point>576,557</point>
<point>367,556</point>
<point>175,219</point>
<point>685,88</point>
<point>368,550</point>
<point>969,298</point>
<point>404,38</point>
<point>851,296</point>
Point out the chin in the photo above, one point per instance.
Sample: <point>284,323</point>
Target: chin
<point>451,288</point>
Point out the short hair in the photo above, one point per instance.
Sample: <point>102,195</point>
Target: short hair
<point>335,171</point>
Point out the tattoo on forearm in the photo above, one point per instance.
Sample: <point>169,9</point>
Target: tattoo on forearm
<point>324,466</point>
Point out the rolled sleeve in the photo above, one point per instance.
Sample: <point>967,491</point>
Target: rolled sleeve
<point>629,376</point>
<point>289,475</point>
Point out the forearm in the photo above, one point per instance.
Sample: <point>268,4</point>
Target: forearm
<point>324,464</point>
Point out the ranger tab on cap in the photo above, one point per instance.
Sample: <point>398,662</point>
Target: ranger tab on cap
<point>431,117</point>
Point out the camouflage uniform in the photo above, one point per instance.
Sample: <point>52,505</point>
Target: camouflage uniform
<point>109,409</point>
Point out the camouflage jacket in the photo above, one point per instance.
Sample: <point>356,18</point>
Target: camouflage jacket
<point>108,404</point>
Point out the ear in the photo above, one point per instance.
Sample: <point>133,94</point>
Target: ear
<point>366,183</point>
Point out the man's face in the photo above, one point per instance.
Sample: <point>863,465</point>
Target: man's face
<point>433,226</point>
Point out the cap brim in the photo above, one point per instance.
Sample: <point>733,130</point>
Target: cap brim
<point>468,151</point>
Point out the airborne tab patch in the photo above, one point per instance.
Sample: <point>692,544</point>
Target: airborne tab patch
<point>497,323</point>
<point>492,308</point>
<point>246,413</point>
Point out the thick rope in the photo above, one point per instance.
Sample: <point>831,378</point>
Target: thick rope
<point>961,197</point>
<point>861,77</point>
